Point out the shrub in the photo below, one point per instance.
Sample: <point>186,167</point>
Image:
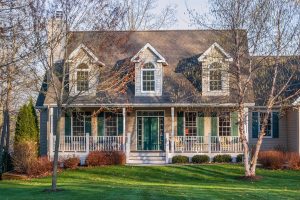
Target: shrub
<point>42,166</point>
<point>200,159</point>
<point>71,163</point>
<point>119,158</point>
<point>99,158</point>
<point>293,160</point>
<point>27,128</point>
<point>225,158</point>
<point>24,156</point>
<point>239,158</point>
<point>271,159</point>
<point>180,159</point>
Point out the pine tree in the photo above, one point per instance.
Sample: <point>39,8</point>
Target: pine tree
<point>27,124</point>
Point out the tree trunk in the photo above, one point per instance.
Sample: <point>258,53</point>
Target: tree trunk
<point>2,142</point>
<point>57,141</point>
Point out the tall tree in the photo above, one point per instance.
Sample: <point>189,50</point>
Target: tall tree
<point>14,55</point>
<point>147,15</point>
<point>52,51</point>
<point>260,27</point>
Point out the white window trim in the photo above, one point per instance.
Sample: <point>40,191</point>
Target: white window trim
<point>218,117</point>
<point>142,70</point>
<point>185,120</point>
<point>222,77</point>
<point>82,70</point>
<point>266,136</point>
<point>117,121</point>
<point>73,127</point>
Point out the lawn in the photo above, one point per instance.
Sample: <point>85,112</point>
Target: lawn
<point>158,182</point>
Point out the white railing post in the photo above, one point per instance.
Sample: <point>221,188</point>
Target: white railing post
<point>128,147</point>
<point>167,148</point>
<point>209,146</point>
<point>87,143</point>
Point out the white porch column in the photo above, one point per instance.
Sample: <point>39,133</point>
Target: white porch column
<point>124,128</point>
<point>209,146</point>
<point>87,143</point>
<point>246,125</point>
<point>50,115</point>
<point>128,147</point>
<point>172,131</point>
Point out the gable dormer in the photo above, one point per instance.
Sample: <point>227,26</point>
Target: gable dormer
<point>215,76</point>
<point>148,71</point>
<point>83,66</point>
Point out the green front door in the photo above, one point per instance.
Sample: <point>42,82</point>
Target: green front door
<point>151,133</point>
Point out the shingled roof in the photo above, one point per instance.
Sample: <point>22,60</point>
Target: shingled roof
<point>180,48</point>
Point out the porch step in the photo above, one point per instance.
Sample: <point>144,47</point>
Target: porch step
<point>138,162</point>
<point>147,153</point>
<point>147,158</point>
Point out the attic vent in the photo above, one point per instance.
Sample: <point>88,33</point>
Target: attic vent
<point>58,14</point>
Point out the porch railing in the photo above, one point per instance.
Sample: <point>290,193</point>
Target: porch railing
<point>106,143</point>
<point>206,144</point>
<point>89,143</point>
<point>71,143</point>
<point>182,144</point>
<point>191,144</point>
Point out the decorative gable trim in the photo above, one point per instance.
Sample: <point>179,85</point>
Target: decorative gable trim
<point>136,57</point>
<point>215,45</point>
<point>87,51</point>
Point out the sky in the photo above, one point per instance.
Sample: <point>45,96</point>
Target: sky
<point>202,6</point>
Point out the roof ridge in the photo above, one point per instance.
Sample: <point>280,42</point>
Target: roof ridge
<point>165,30</point>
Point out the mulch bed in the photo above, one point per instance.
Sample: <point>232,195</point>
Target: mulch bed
<point>250,178</point>
<point>14,176</point>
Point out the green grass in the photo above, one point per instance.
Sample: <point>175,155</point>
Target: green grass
<point>158,182</point>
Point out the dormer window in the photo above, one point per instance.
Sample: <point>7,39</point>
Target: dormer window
<point>148,77</point>
<point>82,78</point>
<point>215,76</point>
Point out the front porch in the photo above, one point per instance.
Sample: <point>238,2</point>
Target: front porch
<point>148,134</point>
<point>178,145</point>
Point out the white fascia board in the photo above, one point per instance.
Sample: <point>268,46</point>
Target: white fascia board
<point>88,51</point>
<point>215,45</point>
<point>155,105</point>
<point>149,46</point>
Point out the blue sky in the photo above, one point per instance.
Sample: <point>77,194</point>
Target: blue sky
<point>201,6</point>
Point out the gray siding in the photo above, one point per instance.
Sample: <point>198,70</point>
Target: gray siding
<point>293,130</point>
<point>43,132</point>
<point>271,143</point>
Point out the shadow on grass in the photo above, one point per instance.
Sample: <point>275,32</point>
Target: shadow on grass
<point>155,182</point>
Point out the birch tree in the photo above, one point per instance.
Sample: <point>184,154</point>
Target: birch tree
<point>261,27</point>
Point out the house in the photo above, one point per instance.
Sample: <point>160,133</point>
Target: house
<point>179,98</point>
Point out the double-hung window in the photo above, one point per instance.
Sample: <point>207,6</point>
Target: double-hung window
<point>78,121</point>
<point>268,130</point>
<point>191,123</point>
<point>215,77</point>
<point>113,123</point>
<point>148,78</point>
<point>224,124</point>
<point>82,79</point>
